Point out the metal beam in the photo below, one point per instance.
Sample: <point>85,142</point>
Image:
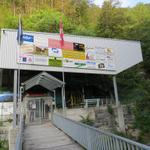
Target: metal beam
<point>14,98</point>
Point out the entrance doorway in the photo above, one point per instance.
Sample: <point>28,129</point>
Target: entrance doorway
<point>38,109</point>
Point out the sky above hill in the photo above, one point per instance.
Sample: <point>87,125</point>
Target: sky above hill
<point>125,3</point>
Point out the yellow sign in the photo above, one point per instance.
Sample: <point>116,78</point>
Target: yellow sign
<point>74,54</point>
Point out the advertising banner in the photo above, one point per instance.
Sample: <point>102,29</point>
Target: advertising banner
<point>56,53</point>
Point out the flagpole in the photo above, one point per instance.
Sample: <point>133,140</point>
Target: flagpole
<point>19,42</point>
<point>63,74</point>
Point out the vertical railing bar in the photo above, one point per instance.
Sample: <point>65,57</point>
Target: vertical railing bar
<point>104,139</point>
<point>121,145</point>
<point>117,144</point>
<point>97,141</point>
<point>100,141</point>
<point>111,143</point>
<point>128,145</point>
<point>114,143</point>
<point>108,143</point>
<point>102,147</point>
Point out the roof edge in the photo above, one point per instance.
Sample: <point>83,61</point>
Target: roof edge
<point>81,36</point>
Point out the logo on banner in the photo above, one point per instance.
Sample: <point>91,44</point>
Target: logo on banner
<point>28,59</point>
<point>55,52</point>
<point>28,38</point>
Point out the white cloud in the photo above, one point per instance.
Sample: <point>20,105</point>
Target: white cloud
<point>99,2</point>
<point>124,3</point>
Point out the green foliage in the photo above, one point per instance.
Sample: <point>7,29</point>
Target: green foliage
<point>142,114</point>
<point>10,120</point>
<point>1,123</point>
<point>3,89</point>
<point>110,109</point>
<point>87,120</point>
<point>111,20</point>
<point>4,145</point>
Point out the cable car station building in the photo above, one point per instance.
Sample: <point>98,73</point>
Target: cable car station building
<point>45,71</point>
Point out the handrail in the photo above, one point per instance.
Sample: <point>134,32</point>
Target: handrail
<point>89,101</point>
<point>97,101</point>
<point>19,138</point>
<point>94,139</point>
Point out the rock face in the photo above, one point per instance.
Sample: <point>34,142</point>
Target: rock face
<point>104,120</point>
<point>107,121</point>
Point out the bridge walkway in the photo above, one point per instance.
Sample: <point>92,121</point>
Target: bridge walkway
<point>47,137</point>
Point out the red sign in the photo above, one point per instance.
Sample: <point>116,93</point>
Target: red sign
<point>52,43</point>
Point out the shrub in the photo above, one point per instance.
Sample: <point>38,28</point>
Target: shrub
<point>87,120</point>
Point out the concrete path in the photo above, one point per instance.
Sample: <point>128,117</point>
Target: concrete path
<point>47,137</point>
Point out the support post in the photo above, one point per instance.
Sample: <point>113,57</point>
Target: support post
<point>14,99</point>
<point>83,94</point>
<point>97,104</point>
<point>63,101</point>
<point>121,122</point>
<point>1,77</point>
<point>63,92</point>
<point>115,90</point>
<point>55,98</point>
<point>19,104</point>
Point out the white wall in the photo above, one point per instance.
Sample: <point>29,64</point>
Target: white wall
<point>6,108</point>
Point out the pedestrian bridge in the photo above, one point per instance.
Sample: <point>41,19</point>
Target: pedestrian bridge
<point>47,137</point>
<point>64,134</point>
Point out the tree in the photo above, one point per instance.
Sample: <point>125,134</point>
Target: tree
<point>111,20</point>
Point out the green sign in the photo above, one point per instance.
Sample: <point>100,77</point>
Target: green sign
<point>55,62</point>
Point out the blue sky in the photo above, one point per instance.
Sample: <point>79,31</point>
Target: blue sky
<point>125,3</point>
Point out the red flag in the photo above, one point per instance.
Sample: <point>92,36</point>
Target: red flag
<point>61,31</point>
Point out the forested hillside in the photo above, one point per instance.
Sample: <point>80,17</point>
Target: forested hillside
<point>84,18</point>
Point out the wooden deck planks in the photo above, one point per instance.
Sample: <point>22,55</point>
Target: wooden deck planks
<point>47,137</point>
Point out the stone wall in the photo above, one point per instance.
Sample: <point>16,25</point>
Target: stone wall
<point>76,113</point>
<point>105,120</point>
<point>4,133</point>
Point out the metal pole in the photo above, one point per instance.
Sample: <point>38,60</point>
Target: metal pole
<point>2,107</point>
<point>20,105</point>
<point>121,122</point>
<point>14,98</point>
<point>83,94</point>
<point>115,90</point>
<point>55,98</point>
<point>63,89</point>
<point>1,76</point>
<point>62,93</point>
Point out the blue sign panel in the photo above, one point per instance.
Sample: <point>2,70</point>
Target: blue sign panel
<point>28,38</point>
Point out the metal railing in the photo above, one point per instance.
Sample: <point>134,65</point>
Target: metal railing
<point>19,138</point>
<point>94,139</point>
<point>97,102</point>
<point>92,101</point>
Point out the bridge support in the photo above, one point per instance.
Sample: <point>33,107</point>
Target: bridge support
<point>121,122</point>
